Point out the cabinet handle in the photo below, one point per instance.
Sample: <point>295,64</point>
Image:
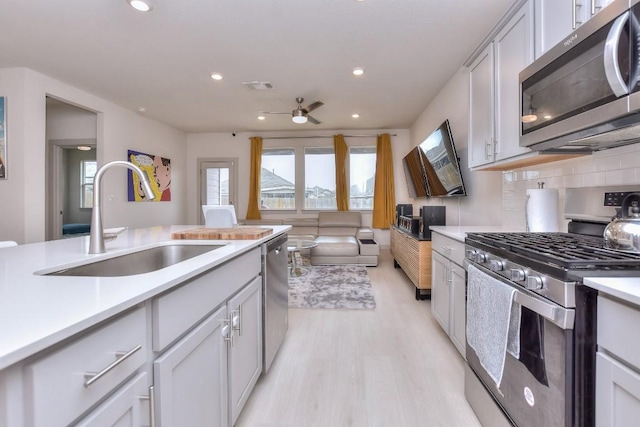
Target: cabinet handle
<point>594,8</point>
<point>121,356</point>
<point>227,331</point>
<point>574,14</point>
<point>236,320</point>
<point>450,274</point>
<point>152,406</point>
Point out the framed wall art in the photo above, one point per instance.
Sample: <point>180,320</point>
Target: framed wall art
<point>159,171</point>
<point>3,137</point>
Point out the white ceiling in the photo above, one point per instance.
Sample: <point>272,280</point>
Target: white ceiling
<point>305,48</point>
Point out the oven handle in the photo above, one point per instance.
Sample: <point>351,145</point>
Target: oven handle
<point>559,316</point>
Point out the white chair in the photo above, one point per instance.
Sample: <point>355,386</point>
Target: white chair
<point>7,243</point>
<point>219,215</point>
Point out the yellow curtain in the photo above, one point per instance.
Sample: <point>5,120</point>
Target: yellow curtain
<point>384,196</point>
<point>253,211</point>
<point>342,196</point>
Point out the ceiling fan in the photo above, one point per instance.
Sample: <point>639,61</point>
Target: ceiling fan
<point>300,114</point>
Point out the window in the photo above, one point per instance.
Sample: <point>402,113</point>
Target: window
<point>362,171</point>
<point>320,178</point>
<point>277,179</point>
<point>88,170</point>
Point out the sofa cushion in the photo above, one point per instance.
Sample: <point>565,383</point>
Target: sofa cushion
<point>339,219</point>
<point>336,246</point>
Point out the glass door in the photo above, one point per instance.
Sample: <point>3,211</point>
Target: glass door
<point>217,184</point>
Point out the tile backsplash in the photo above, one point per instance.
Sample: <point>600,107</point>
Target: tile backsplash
<point>617,166</point>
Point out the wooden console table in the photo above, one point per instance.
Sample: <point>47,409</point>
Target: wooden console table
<point>413,255</point>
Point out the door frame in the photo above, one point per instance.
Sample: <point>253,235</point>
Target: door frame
<point>220,162</point>
<point>56,190</point>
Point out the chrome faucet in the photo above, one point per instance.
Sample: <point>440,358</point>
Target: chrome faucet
<point>96,237</point>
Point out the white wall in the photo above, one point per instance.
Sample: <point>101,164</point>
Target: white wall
<point>224,145</point>
<point>118,129</point>
<point>482,205</point>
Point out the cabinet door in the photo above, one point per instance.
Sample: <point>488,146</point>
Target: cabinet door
<point>481,124</point>
<point>554,20</point>
<point>513,52</point>
<point>617,393</point>
<point>458,318</point>
<point>190,379</point>
<point>128,407</point>
<point>245,351</point>
<point>440,290</point>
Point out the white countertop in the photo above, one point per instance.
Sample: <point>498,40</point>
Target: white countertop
<point>37,311</point>
<point>627,289</point>
<point>459,232</point>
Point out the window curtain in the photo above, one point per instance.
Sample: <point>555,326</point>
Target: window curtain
<point>342,196</point>
<point>253,210</point>
<point>384,196</point>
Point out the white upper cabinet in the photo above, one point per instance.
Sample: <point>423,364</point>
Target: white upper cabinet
<point>556,19</point>
<point>494,132</point>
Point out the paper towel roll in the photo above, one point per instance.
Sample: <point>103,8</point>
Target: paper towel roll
<point>541,210</point>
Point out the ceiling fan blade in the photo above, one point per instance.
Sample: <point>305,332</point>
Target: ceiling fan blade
<point>275,112</point>
<point>312,120</point>
<point>313,106</point>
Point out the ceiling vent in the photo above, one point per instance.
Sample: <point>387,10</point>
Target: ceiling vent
<point>257,85</point>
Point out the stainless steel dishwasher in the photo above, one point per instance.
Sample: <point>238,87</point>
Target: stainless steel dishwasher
<point>275,297</point>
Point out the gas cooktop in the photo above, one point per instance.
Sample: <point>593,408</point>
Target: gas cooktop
<point>565,250</point>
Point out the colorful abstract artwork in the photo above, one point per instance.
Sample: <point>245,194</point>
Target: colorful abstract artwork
<point>159,171</point>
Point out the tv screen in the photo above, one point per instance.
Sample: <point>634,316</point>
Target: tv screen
<point>414,173</point>
<point>441,164</point>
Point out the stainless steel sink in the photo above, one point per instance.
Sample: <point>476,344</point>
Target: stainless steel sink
<point>140,262</point>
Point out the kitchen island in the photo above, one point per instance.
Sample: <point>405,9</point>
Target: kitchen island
<point>48,323</point>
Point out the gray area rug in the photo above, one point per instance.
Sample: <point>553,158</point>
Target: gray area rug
<point>332,286</point>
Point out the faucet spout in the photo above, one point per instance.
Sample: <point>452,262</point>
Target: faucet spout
<point>96,237</point>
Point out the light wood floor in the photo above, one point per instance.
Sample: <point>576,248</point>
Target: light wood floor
<point>392,366</point>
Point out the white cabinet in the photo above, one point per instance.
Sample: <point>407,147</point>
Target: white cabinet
<point>448,289</point>
<point>245,350</point>
<point>617,364</point>
<point>206,369</point>
<point>128,407</point>
<point>494,122</point>
<point>190,379</point>
<point>556,19</point>
<point>63,384</point>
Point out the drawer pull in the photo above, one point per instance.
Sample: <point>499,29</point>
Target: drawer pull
<point>121,356</point>
<point>152,406</point>
<point>236,320</point>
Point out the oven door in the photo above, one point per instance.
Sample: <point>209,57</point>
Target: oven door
<point>536,387</point>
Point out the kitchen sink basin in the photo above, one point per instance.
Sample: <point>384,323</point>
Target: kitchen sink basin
<point>144,261</point>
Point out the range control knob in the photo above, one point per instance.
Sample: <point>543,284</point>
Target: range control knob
<point>517,274</point>
<point>496,265</point>
<point>471,254</point>
<point>534,283</point>
<point>481,258</point>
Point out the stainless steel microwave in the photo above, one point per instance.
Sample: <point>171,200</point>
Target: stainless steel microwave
<point>583,95</point>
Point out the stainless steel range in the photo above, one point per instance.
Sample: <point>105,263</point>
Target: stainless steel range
<point>550,379</point>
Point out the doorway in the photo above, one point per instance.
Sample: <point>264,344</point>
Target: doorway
<point>218,178</point>
<point>71,147</point>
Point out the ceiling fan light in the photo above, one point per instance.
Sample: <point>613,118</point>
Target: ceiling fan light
<point>141,5</point>
<point>298,116</point>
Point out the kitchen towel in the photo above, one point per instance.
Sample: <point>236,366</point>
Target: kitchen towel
<point>541,210</point>
<point>493,321</point>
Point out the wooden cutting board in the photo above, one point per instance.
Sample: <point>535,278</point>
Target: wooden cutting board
<point>231,233</point>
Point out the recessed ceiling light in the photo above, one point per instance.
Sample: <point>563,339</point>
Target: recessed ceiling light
<point>83,148</point>
<point>142,109</point>
<point>141,5</point>
<point>355,115</point>
<point>358,71</point>
<point>261,117</point>
<point>216,76</point>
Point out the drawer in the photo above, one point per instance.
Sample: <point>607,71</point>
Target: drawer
<point>448,247</point>
<point>617,330</point>
<point>178,311</point>
<point>55,386</point>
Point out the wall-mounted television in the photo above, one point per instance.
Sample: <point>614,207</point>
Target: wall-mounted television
<point>441,164</point>
<point>414,173</point>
